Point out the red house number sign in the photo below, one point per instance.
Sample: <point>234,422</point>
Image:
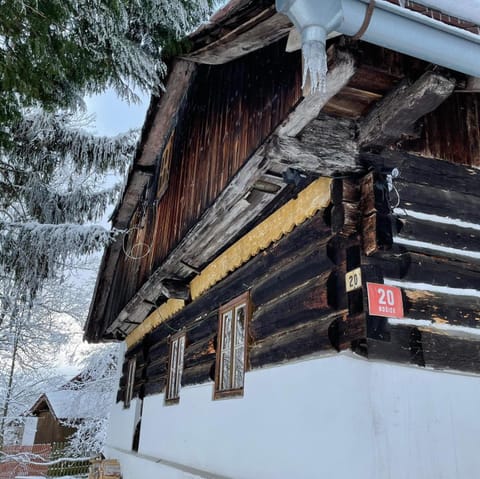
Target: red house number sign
<point>385,300</point>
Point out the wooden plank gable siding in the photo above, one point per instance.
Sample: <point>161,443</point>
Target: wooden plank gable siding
<point>230,110</point>
<point>452,132</point>
<point>294,294</point>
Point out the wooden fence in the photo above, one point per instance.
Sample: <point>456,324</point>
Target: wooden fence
<point>65,468</point>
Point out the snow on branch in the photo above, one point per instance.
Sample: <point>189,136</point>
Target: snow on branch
<point>76,205</point>
<point>34,251</point>
<point>37,459</point>
<point>49,140</point>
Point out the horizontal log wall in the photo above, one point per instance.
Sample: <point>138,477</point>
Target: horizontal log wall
<point>434,257</point>
<point>296,312</point>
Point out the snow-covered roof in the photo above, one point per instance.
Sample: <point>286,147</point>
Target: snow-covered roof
<point>465,9</point>
<point>72,404</point>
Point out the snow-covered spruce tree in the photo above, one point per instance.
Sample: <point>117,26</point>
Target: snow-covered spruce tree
<point>49,195</point>
<point>53,53</point>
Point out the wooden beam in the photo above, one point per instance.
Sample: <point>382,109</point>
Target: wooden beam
<point>175,289</point>
<point>439,174</point>
<point>258,32</point>
<point>402,107</point>
<point>309,108</point>
<point>327,147</point>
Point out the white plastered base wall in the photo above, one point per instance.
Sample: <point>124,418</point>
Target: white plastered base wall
<point>333,417</point>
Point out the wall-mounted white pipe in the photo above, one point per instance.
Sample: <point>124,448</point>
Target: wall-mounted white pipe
<point>391,27</point>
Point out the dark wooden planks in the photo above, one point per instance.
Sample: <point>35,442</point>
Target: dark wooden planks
<point>460,352</point>
<point>427,171</point>
<point>291,275</point>
<point>422,268</point>
<point>307,303</point>
<point>434,201</point>
<point>442,234</point>
<point>430,348</point>
<point>442,308</point>
<point>452,131</point>
<point>307,339</point>
<point>404,346</point>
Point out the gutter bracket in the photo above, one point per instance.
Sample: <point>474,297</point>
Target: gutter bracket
<point>366,21</point>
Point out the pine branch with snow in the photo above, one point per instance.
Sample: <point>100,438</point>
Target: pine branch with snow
<point>54,53</point>
<point>33,252</point>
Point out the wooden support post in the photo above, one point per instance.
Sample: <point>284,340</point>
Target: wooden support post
<point>377,219</point>
<point>345,209</point>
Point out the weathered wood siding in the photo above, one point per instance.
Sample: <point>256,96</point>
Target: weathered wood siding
<point>50,430</point>
<point>425,241</point>
<point>452,131</point>
<point>296,298</point>
<point>229,111</point>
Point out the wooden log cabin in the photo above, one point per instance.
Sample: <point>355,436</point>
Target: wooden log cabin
<point>298,282</point>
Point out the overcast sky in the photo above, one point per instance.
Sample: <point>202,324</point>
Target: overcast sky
<point>114,116</point>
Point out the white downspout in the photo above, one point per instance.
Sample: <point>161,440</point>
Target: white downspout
<point>390,26</point>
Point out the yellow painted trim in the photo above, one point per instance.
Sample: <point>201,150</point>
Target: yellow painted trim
<point>161,314</point>
<point>312,199</point>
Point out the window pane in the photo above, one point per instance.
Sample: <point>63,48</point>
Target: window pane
<point>240,325</point>
<point>225,382</point>
<point>239,367</point>
<point>227,331</point>
<point>172,376</point>
<point>231,346</point>
<point>179,368</point>
<point>130,381</point>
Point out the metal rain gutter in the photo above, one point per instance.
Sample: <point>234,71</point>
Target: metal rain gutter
<point>383,24</point>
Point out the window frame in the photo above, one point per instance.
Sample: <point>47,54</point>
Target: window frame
<point>130,385</point>
<point>243,299</point>
<point>177,372</point>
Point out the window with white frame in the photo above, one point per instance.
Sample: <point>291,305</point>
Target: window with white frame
<point>231,347</point>
<point>132,363</point>
<point>175,368</point>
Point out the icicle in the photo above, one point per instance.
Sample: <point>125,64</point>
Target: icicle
<point>402,3</point>
<point>315,65</point>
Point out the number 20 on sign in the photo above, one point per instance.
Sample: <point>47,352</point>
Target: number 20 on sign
<point>384,300</point>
